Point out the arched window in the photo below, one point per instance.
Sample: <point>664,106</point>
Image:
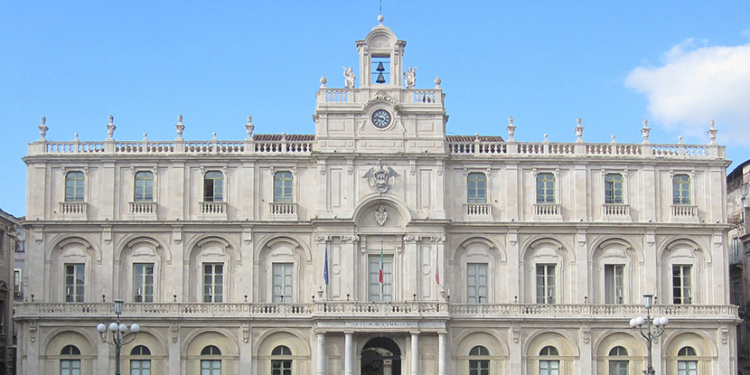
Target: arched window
<point>686,366</point>
<point>209,365</point>
<point>478,365</point>
<point>144,187</point>
<point>74,186</point>
<point>282,187</point>
<point>140,363</point>
<point>681,189</point>
<point>618,366</point>
<point>545,188</point>
<point>549,366</point>
<point>68,364</point>
<point>613,188</point>
<point>279,364</point>
<point>213,186</point>
<point>476,188</point>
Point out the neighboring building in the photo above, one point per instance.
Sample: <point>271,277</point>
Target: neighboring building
<point>738,209</point>
<point>8,243</point>
<point>377,245</point>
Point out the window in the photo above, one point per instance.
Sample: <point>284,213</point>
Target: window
<point>545,188</point>
<point>70,366</point>
<point>681,284</point>
<point>685,367</point>
<point>476,188</point>
<point>17,280</point>
<point>213,282</point>
<point>549,367</point>
<point>281,366</point>
<point>74,282</point>
<point>545,283</point>
<point>74,187</point>
<point>380,292</point>
<point>614,275</point>
<point>618,366</point>
<point>476,282</point>
<point>282,282</point>
<point>613,188</point>
<point>282,187</point>
<point>144,187</point>
<point>479,366</point>
<point>143,282</point>
<point>210,366</point>
<point>681,189</point>
<point>213,187</point>
<point>140,366</point>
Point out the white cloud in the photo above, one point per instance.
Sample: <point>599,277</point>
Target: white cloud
<point>697,84</point>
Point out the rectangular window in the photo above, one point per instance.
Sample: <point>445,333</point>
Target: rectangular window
<point>682,291</point>
<point>17,280</point>
<point>613,188</point>
<point>70,367</point>
<point>687,367</point>
<point>618,367</point>
<point>213,186</point>
<point>143,282</point>
<point>735,250</point>
<point>74,282</point>
<point>210,367</point>
<point>476,282</point>
<point>380,292</point>
<point>614,280</point>
<point>144,187</point>
<point>74,187</point>
<point>549,367</point>
<point>282,187</point>
<point>545,283</point>
<point>281,367</point>
<point>479,367</point>
<point>476,189</point>
<point>545,188</point>
<point>213,282</point>
<point>282,282</point>
<point>681,189</point>
<point>140,367</point>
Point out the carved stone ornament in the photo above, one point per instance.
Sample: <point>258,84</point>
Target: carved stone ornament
<point>381,178</point>
<point>381,215</point>
<point>382,96</point>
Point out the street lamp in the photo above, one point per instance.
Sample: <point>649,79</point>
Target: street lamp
<point>651,334</point>
<point>118,330</point>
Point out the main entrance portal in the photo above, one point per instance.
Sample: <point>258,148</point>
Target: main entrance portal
<point>381,356</point>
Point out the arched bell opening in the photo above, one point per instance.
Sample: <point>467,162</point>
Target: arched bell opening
<point>381,356</point>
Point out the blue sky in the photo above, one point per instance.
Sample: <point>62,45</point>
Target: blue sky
<point>612,63</point>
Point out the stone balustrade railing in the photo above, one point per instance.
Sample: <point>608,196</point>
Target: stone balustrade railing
<point>325,309</point>
<point>410,96</point>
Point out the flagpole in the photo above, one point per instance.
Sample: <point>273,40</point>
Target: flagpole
<point>381,277</point>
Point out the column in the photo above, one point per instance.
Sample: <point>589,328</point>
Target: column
<point>348,354</point>
<point>415,353</point>
<point>442,355</point>
<point>321,353</point>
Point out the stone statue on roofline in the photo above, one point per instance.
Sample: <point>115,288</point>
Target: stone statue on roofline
<point>410,77</point>
<point>349,78</point>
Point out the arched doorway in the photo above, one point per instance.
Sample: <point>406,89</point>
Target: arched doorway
<point>381,356</point>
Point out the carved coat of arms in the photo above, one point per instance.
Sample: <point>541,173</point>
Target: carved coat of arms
<point>381,178</point>
<point>381,215</point>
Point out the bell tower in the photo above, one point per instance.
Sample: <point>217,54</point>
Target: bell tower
<point>380,58</point>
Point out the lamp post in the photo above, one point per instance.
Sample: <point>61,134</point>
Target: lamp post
<point>658,323</point>
<point>118,331</point>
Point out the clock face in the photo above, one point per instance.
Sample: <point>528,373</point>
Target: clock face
<point>381,118</point>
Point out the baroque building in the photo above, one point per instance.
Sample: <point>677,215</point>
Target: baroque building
<point>738,208</point>
<point>377,245</point>
<point>9,278</point>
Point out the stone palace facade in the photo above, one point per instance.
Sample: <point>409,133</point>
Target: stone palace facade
<point>377,245</point>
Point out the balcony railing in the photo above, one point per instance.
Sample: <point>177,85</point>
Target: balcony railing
<point>74,210</point>
<point>142,208</point>
<point>283,210</point>
<point>327,309</point>
<point>214,208</point>
<point>478,210</point>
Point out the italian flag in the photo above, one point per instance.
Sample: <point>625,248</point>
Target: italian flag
<point>380,273</point>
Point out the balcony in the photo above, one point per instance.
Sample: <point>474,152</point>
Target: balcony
<point>73,210</point>
<point>213,210</point>
<point>547,212</point>
<point>616,212</point>
<point>284,211</point>
<point>684,213</point>
<point>359,310</point>
<point>142,210</point>
<point>477,212</point>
